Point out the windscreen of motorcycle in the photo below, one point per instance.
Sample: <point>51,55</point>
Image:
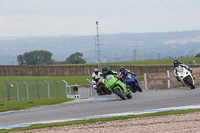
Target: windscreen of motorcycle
<point>180,69</point>
<point>109,77</point>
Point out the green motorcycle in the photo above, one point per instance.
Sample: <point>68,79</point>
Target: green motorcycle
<point>117,87</point>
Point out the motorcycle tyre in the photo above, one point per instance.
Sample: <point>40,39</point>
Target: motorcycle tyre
<point>129,96</point>
<point>101,92</point>
<point>118,93</point>
<point>133,90</point>
<point>138,88</point>
<point>190,83</point>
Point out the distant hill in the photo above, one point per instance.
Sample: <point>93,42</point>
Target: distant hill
<point>114,47</point>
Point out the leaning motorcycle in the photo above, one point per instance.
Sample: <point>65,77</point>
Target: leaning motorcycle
<point>132,83</point>
<point>186,77</point>
<point>117,87</point>
<point>101,88</point>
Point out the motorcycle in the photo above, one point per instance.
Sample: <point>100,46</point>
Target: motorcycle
<point>117,87</point>
<point>101,88</point>
<point>186,77</point>
<point>132,83</point>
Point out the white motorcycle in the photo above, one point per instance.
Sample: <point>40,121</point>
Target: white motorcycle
<point>186,77</point>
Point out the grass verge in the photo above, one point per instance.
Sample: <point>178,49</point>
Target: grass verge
<point>70,79</point>
<point>162,62</point>
<point>17,105</point>
<point>33,88</point>
<point>37,126</point>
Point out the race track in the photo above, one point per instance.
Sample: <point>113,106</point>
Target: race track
<point>141,101</point>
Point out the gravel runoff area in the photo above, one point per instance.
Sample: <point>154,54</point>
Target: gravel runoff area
<point>183,123</point>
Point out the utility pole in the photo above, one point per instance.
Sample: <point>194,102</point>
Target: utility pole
<point>134,54</point>
<point>158,56</point>
<point>97,47</point>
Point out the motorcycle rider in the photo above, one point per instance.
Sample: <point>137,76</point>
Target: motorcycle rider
<point>95,78</point>
<point>178,66</point>
<point>124,72</point>
<point>123,75</point>
<point>106,71</point>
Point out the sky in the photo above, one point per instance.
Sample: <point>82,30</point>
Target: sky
<point>78,17</point>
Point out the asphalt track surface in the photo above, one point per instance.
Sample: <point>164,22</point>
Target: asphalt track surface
<point>110,104</point>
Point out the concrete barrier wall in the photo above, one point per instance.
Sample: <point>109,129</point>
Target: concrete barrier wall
<point>75,70</point>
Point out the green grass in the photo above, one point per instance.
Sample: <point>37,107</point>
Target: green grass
<point>163,62</point>
<point>141,78</point>
<point>17,105</point>
<point>38,126</point>
<point>43,87</point>
<point>70,79</point>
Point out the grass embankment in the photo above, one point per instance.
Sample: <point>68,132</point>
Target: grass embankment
<point>17,105</point>
<point>76,122</point>
<point>163,62</point>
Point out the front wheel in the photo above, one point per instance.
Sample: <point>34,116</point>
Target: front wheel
<point>189,82</point>
<point>120,94</point>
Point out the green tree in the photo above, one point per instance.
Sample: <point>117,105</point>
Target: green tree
<point>35,58</point>
<point>20,60</point>
<point>198,55</point>
<point>76,58</point>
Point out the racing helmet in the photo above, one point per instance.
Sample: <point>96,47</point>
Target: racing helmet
<point>122,70</point>
<point>176,63</point>
<point>96,71</point>
<point>104,69</point>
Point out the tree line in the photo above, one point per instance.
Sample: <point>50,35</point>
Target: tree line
<point>43,57</point>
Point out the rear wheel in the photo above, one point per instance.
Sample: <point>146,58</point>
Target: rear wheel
<point>120,94</point>
<point>129,96</point>
<point>107,91</point>
<point>189,82</point>
<point>100,92</point>
<point>138,87</point>
<point>132,88</point>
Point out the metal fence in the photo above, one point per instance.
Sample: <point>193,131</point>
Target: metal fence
<point>32,90</point>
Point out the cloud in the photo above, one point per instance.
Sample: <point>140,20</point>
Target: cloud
<point>75,17</point>
<point>46,25</point>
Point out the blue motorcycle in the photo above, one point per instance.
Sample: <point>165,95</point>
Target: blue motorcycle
<point>132,83</point>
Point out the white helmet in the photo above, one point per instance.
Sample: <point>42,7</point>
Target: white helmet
<point>96,71</point>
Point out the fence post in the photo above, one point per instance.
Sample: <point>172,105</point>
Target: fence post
<point>38,89</point>
<point>8,91</point>
<point>66,87</point>
<point>169,80</point>
<point>56,88</point>
<point>155,84</point>
<point>27,90</point>
<point>91,88</point>
<point>17,90</point>
<point>48,89</point>
<point>145,81</point>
